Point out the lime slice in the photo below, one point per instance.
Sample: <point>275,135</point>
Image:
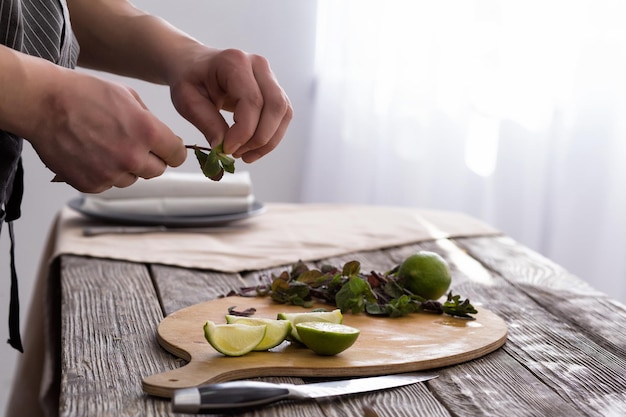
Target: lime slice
<point>334,316</point>
<point>326,338</point>
<point>276,330</point>
<point>233,339</point>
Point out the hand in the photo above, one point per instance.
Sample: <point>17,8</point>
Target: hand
<point>98,134</point>
<point>212,80</point>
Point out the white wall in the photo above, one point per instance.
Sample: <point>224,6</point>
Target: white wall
<point>281,30</point>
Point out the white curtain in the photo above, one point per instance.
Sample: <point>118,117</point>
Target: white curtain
<point>511,111</point>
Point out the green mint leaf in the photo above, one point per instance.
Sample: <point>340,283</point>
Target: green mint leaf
<point>376,309</point>
<point>298,269</point>
<point>209,163</point>
<point>228,163</point>
<point>312,277</point>
<point>351,268</point>
<point>288,291</point>
<point>213,168</point>
<point>215,163</point>
<point>353,295</point>
<point>456,307</point>
<point>201,157</point>
<point>393,289</point>
<point>402,306</point>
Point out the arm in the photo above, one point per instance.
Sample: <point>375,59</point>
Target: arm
<point>27,86</point>
<point>117,37</point>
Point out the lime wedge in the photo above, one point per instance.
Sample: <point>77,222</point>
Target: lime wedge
<point>276,330</point>
<point>327,338</point>
<point>233,339</point>
<point>334,316</point>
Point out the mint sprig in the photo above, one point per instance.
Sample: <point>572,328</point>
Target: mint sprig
<point>214,163</point>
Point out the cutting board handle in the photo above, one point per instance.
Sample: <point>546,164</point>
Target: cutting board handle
<point>164,384</point>
<point>197,372</point>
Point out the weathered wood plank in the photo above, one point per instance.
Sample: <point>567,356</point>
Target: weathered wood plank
<point>541,336</point>
<point>498,385</point>
<point>109,313</point>
<point>409,401</point>
<point>523,265</point>
<point>179,287</point>
<point>598,316</point>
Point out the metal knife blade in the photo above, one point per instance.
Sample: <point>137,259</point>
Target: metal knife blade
<point>131,230</point>
<point>238,395</point>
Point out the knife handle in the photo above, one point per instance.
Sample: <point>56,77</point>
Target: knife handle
<point>227,397</point>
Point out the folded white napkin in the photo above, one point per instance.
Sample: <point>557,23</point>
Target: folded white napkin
<point>176,194</point>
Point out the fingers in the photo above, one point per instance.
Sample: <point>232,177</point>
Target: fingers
<point>261,115</point>
<point>255,154</point>
<point>203,113</point>
<point>167,147</point>
<point>152,166</point>
<point>125,180</point>
<point>244,84</point>
<point>146,153</point>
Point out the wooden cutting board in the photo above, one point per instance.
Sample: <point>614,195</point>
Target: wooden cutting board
<point>385,345</point>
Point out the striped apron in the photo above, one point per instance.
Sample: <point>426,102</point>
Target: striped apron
<point>39,28</point>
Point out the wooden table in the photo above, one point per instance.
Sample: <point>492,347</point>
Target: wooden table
<point>565,354</point>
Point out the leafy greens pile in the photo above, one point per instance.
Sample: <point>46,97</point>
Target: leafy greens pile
<point>349,289</point>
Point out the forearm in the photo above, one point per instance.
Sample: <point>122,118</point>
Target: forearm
<point>116,37</point>
<point>28,88</point>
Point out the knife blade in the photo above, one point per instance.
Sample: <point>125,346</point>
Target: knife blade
<point>132,230</point>
<point>234,396</point>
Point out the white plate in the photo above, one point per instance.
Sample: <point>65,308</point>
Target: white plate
<point>167,221</point>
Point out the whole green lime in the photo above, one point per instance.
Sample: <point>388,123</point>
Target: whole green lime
<point>425,274</point>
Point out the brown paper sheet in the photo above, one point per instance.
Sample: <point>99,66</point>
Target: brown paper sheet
<point>282,235</point>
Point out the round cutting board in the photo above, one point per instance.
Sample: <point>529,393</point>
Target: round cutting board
<point>386,345</point>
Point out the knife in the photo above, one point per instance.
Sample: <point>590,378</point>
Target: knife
<point>235,396</point>
<point>132,230</point>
